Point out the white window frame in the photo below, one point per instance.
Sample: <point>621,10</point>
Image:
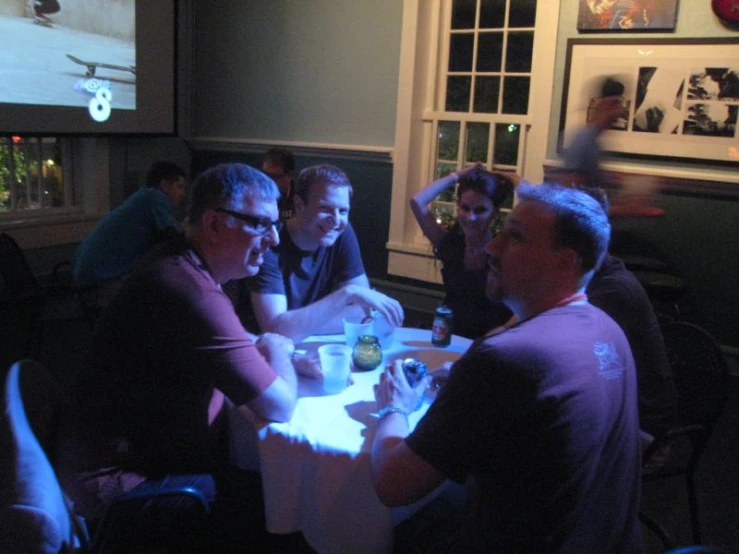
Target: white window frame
<point>422,59</point>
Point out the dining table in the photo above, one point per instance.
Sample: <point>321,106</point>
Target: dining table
<point>315,468</point>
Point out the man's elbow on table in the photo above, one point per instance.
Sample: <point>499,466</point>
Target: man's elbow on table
<point>276,403</point>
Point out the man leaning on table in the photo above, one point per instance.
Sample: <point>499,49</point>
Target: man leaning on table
<point>169,352</point>
<point>315,276</point>
<point>540,421</point>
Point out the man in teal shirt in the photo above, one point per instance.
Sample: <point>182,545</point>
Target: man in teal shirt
<point>110,251</point>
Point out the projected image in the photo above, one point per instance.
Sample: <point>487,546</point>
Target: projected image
<point>72,53</point>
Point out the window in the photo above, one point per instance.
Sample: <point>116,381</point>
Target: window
<point>475,86</point>
<point>32,176</point>
<point>52,190</point>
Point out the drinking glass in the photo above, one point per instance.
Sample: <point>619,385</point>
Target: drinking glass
<point>336,362</point>
<point>354,328</point>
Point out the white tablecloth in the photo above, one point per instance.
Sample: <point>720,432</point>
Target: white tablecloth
<point>316,467</point>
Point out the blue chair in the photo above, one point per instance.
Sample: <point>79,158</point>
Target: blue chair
<point>35,514</point>
<point>696,549</point>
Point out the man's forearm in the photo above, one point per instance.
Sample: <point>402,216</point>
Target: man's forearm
<point>323,315</point>
<point>283,367</point>
<point>281,363</point>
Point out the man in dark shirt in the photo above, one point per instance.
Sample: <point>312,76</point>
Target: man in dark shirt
<point>279,165</point>
<point>616,291</point>
<point>315,276</point>
<point>539,421</point>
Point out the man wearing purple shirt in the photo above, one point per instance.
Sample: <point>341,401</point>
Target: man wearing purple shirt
<point>540,421</point>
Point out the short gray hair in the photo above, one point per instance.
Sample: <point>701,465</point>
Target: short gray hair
<point>225,184</point>
<point>581,222</point>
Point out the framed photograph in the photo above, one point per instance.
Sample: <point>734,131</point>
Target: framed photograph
<point>626,15</point>
<point>681,97</point>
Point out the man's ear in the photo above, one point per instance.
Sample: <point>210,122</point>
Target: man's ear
<point>570,259</point>
<point>212,225</point>
<point>298,203</point>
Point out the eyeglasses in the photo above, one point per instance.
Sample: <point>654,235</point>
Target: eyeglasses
<point>260,225</point>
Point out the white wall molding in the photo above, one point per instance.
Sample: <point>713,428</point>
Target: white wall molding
<point>378,154</point>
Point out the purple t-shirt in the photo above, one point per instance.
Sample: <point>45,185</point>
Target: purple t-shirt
<point>304,277</point>
<point>541,424</point>
<point>165,352</point>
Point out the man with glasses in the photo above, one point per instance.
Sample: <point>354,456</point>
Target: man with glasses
<point>315,276</point>
<point>279,164</point>
<point>169,354</point>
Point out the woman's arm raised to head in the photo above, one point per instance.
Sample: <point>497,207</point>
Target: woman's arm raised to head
<point>421,200</point>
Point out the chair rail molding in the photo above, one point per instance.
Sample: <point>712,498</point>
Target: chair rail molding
<point>376,154</point>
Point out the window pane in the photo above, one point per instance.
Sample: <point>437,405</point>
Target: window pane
<point>31,174</point>
<point>492,14</point>
<point>460,52</point>
<point>445,214</point>
<point>463,14</point>
<point>4,175</point>
<point>506,143</point>
<point>487,90</point>
<point>29,197</point>
<point>520,51</point>
<point>442,170</point>
<point>448,141</point>
<point>477,142</point>
<point>52,185</point>
<point>458,94</point>
<point>523,13</point>
<point>490,52</point>
<point>516,95</point>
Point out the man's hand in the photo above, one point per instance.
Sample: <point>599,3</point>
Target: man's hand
<point>307,364</point>
<point>273,346</point>
<point>394,389</point>
<point>371,299</point>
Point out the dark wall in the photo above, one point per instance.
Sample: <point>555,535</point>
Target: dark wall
<point>370,213</point>
<point>697,238</point>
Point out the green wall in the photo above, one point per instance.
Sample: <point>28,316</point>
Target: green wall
<point>324,71</point>
<point>317,71</point>
<point>699,234</point>
<point>370,213</point>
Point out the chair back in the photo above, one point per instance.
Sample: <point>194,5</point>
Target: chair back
<point>701,373</point>
<point>34,513</point>
<point>19,283</point>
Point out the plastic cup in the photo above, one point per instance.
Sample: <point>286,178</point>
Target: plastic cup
<point>336,360</point>
<point>354,328</point>
<point>384,331</point>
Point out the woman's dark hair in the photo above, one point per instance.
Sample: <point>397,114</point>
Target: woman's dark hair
<point>497,190</point>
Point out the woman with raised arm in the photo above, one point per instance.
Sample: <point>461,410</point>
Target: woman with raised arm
<point>461,249</point>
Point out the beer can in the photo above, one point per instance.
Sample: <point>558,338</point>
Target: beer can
<point>441,330</point>
<point>415,370</point>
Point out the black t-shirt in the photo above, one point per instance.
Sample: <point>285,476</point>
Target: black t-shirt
<point>616,291</point>
<point>541,424</point>
<point>474,312</point>
<point>303,277</point>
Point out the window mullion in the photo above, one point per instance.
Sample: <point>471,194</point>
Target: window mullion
<point>40,169</point>
<point>11,175</point>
